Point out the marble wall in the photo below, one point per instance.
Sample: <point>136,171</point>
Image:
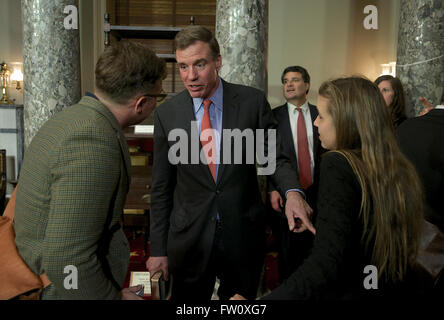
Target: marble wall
<point>51,62</point>
<point>420,61</point>
<point>242,32</point>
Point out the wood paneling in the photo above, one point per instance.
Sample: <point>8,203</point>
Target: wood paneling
<point>163,13</point>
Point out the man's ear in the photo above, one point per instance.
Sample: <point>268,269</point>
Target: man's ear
<point>138,106</point>
<point>307,87</point>
<point>218,63</point>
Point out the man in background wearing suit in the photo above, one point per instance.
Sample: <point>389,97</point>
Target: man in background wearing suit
<point>422,141</point>
<point>300,141</point>
<point>75,177</point>
<point>207,220</point>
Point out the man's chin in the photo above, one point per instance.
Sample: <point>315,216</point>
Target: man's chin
<point>292,97</point>
<point>195,94</point>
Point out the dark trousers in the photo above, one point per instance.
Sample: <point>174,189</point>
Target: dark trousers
<point>293,248</point>
<point>202,288</point>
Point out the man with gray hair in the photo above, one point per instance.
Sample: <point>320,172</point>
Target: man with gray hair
<point>207,219</point>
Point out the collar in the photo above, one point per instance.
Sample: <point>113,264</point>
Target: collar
<point>96,104</point>
<point>90,94</point>
<point>440,107</point>
<point>216,99</point>
<point>292,107</point>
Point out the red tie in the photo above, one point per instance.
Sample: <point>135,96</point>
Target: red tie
<point>303,153</point>
<point>206,124</point>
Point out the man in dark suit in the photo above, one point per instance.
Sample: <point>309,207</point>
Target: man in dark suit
<point>422,141</point>
<point>300,141</point>
<point>207,217</point>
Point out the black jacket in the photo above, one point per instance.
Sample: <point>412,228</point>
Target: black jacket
<point>421,139</point>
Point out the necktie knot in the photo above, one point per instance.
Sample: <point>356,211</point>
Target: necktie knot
<point>207,104</point>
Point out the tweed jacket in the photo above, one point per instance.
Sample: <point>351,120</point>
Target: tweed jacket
<point>70,196</point>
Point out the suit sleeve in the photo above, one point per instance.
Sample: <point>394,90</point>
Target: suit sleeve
<point>270,184</point>
<point>339,201</point>
<point>284,176</point>
<point>85,175</point>
<point>163,183</point>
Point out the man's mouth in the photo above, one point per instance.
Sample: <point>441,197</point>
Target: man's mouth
<point>195,87</point>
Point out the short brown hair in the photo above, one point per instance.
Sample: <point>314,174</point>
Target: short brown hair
<point>191,34</point>
<point>301,70</point>
<point>126,69</point>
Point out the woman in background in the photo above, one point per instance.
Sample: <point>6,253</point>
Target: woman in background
<point>369,206</point>
<point>393,93</point>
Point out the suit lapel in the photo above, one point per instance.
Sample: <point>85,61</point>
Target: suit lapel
<point>314,114</point>
<point>188,117</point>
<point>229,120</point>
<point>184,107</point>
<point>283,120</point>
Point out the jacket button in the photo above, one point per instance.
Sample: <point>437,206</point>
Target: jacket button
<point>217,192</point>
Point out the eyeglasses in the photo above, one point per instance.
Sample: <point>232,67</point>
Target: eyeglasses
<point>159,96</point>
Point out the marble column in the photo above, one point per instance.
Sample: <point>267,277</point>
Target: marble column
<point>51,61</point>
<point>242,32</point>
<point>420,61</point>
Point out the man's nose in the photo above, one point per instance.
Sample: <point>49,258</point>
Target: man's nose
<point>192,73</point>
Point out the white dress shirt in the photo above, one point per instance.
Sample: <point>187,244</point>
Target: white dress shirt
<point>293,114</point>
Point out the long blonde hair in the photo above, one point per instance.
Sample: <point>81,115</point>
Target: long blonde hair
<point>392,201</point>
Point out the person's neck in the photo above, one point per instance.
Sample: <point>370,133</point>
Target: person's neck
<point>116,109</point>
<point>213,91</point>
<point>298,102</point>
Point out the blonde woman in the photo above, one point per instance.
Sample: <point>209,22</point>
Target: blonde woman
<point>369,206</point>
